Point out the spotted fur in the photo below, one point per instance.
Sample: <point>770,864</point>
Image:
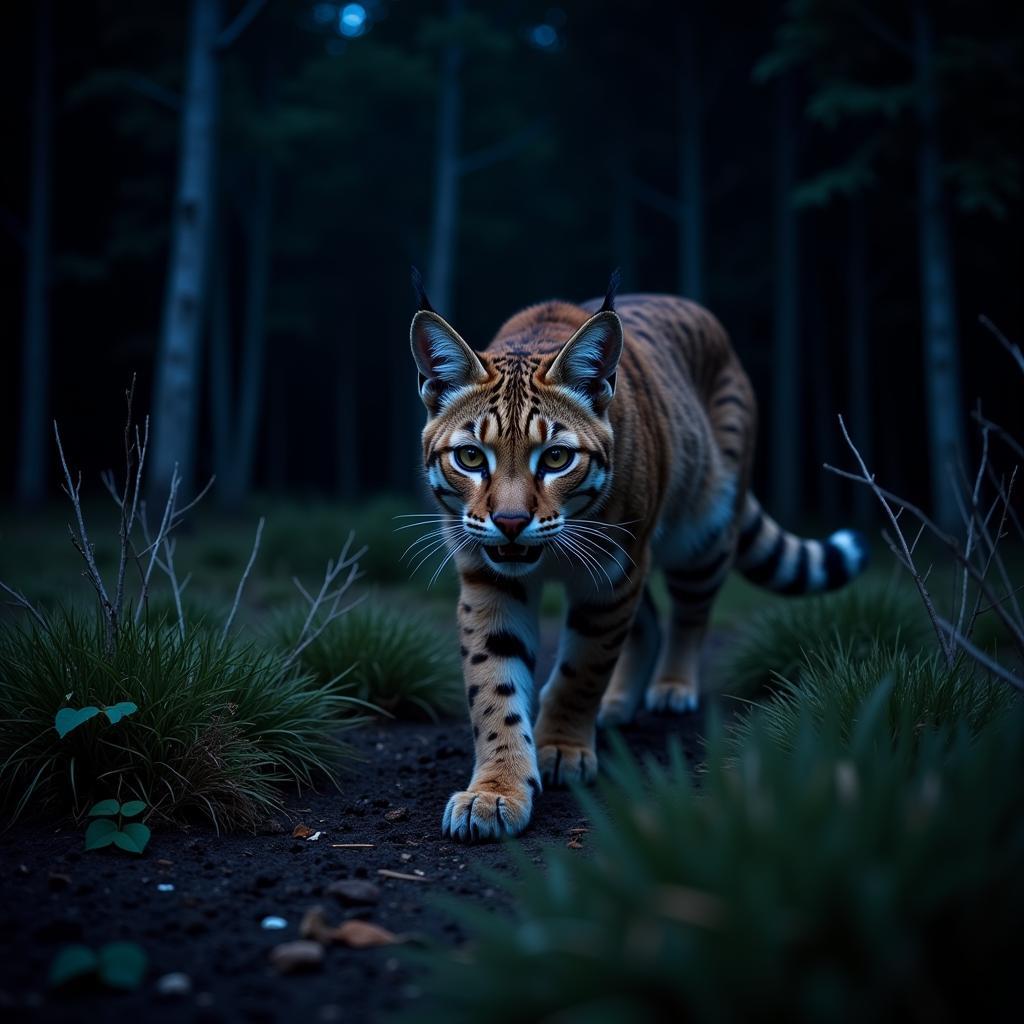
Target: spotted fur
<point>648,404</point>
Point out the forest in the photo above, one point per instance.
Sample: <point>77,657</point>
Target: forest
<point>223,766</point>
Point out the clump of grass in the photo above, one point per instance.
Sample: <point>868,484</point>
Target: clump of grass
<point>385,655</point>
<point>777,642</point>
<point>832,686</point>
<point>842,880</point>
<point>219,725</point>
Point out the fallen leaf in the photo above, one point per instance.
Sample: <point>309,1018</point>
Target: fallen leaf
<point>397,814</point>
<point>301,955</point>
<point>301,832</point>
<point>354,934</point>
<point>364,934</point>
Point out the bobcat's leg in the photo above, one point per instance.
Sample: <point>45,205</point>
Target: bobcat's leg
<point>635,667</point>
<point>498,636</point>
<point>595,632</point>
<point>693,591</point>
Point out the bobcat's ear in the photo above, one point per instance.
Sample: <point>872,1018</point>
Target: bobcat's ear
<point>589,360</point>
<point>445,362</point>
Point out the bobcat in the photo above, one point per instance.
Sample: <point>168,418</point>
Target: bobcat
<point>590,444</point>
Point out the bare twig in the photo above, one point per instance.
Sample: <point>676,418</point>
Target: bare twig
<point>239,24</point>
<point>23,602</point>
<point>327,602</point>
<point>167,565</point>
<point>84,547</point>
<point>241,582</point>
<point>1015,351</point>
<point>981,657</point>
<point>868,478</point>
<point>1016,629</point>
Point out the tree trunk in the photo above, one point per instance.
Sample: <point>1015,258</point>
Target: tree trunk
<point>221,391</point>
<point>177,370</point>
<point>35,367</point>
<point>690,225</point>
<point>784,409</point>
<point>446,183</point>
<point>938,305</point>
<point>858,351</point>
<point>258,253</point>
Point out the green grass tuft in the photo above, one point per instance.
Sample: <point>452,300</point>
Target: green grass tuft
<point>217,730</point>
<point>832,685</point>
<point>390,656</point>
<point>776,642</point>
<point>842,881</point>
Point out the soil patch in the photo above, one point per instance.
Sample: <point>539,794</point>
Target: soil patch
<point>195,901</point>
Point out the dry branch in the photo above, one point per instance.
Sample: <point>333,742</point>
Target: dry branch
<point>241,582</point>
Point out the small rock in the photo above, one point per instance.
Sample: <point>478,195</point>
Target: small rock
<point>172,986</point>
<point>293,957</point>
<point>354,892</point>
<point>273,923</point>
<point>397,814</point>
<point>59,881</point>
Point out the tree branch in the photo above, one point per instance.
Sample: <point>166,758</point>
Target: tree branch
<point>241,22</point>
<point>867,478</point>
<point>490,155</point>
<point>242,581</point>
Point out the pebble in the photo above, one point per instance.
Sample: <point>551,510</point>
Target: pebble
<point>174,985</point>
<point>165,887</point>
<point>301,955</point>
<point>353,891</point>
<point>272,923</point>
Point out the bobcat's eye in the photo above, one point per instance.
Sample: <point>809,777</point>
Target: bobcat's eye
<point>556,458</point>
<point>470,457</point>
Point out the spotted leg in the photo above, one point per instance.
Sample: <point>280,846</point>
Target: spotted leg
<point>693,591</point>
<point>635,667</point>
<point>498,634</point>
<point>594,635</point>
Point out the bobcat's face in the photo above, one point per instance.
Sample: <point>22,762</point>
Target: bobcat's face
<point>517,445</point>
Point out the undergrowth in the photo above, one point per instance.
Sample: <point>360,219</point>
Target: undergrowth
<point>387,656</point>
<point>218,728</point>
<point>832,685</point>
<point>776,642</point>
<point>860,877</point>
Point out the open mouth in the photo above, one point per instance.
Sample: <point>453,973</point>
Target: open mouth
<point>513,552</point>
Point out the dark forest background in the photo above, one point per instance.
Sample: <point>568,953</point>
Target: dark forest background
<point>225,198</point>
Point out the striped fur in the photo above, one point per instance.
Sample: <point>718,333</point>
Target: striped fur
<point>590,444</point>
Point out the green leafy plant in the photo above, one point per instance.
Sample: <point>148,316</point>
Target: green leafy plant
<point>777,642</point>
<point>388,656</point>
<point>845,879</point>
<point>112,827</point>
<point>68,719</point>
<point>220,723</point>
<point>118,965</point>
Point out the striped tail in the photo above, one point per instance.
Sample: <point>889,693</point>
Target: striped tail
<point>770,557</point>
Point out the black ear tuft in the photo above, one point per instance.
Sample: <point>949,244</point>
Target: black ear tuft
<point>422,302</point>
<point>613,287</point>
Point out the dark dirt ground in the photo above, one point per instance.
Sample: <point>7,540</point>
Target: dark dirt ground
<point>53,893</point>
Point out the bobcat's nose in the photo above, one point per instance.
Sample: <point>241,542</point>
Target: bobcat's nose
<point>511,523</point>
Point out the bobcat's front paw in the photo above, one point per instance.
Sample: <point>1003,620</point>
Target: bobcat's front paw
<point>561,763</point>
<point>478,814</point>
<point>672,696</point>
